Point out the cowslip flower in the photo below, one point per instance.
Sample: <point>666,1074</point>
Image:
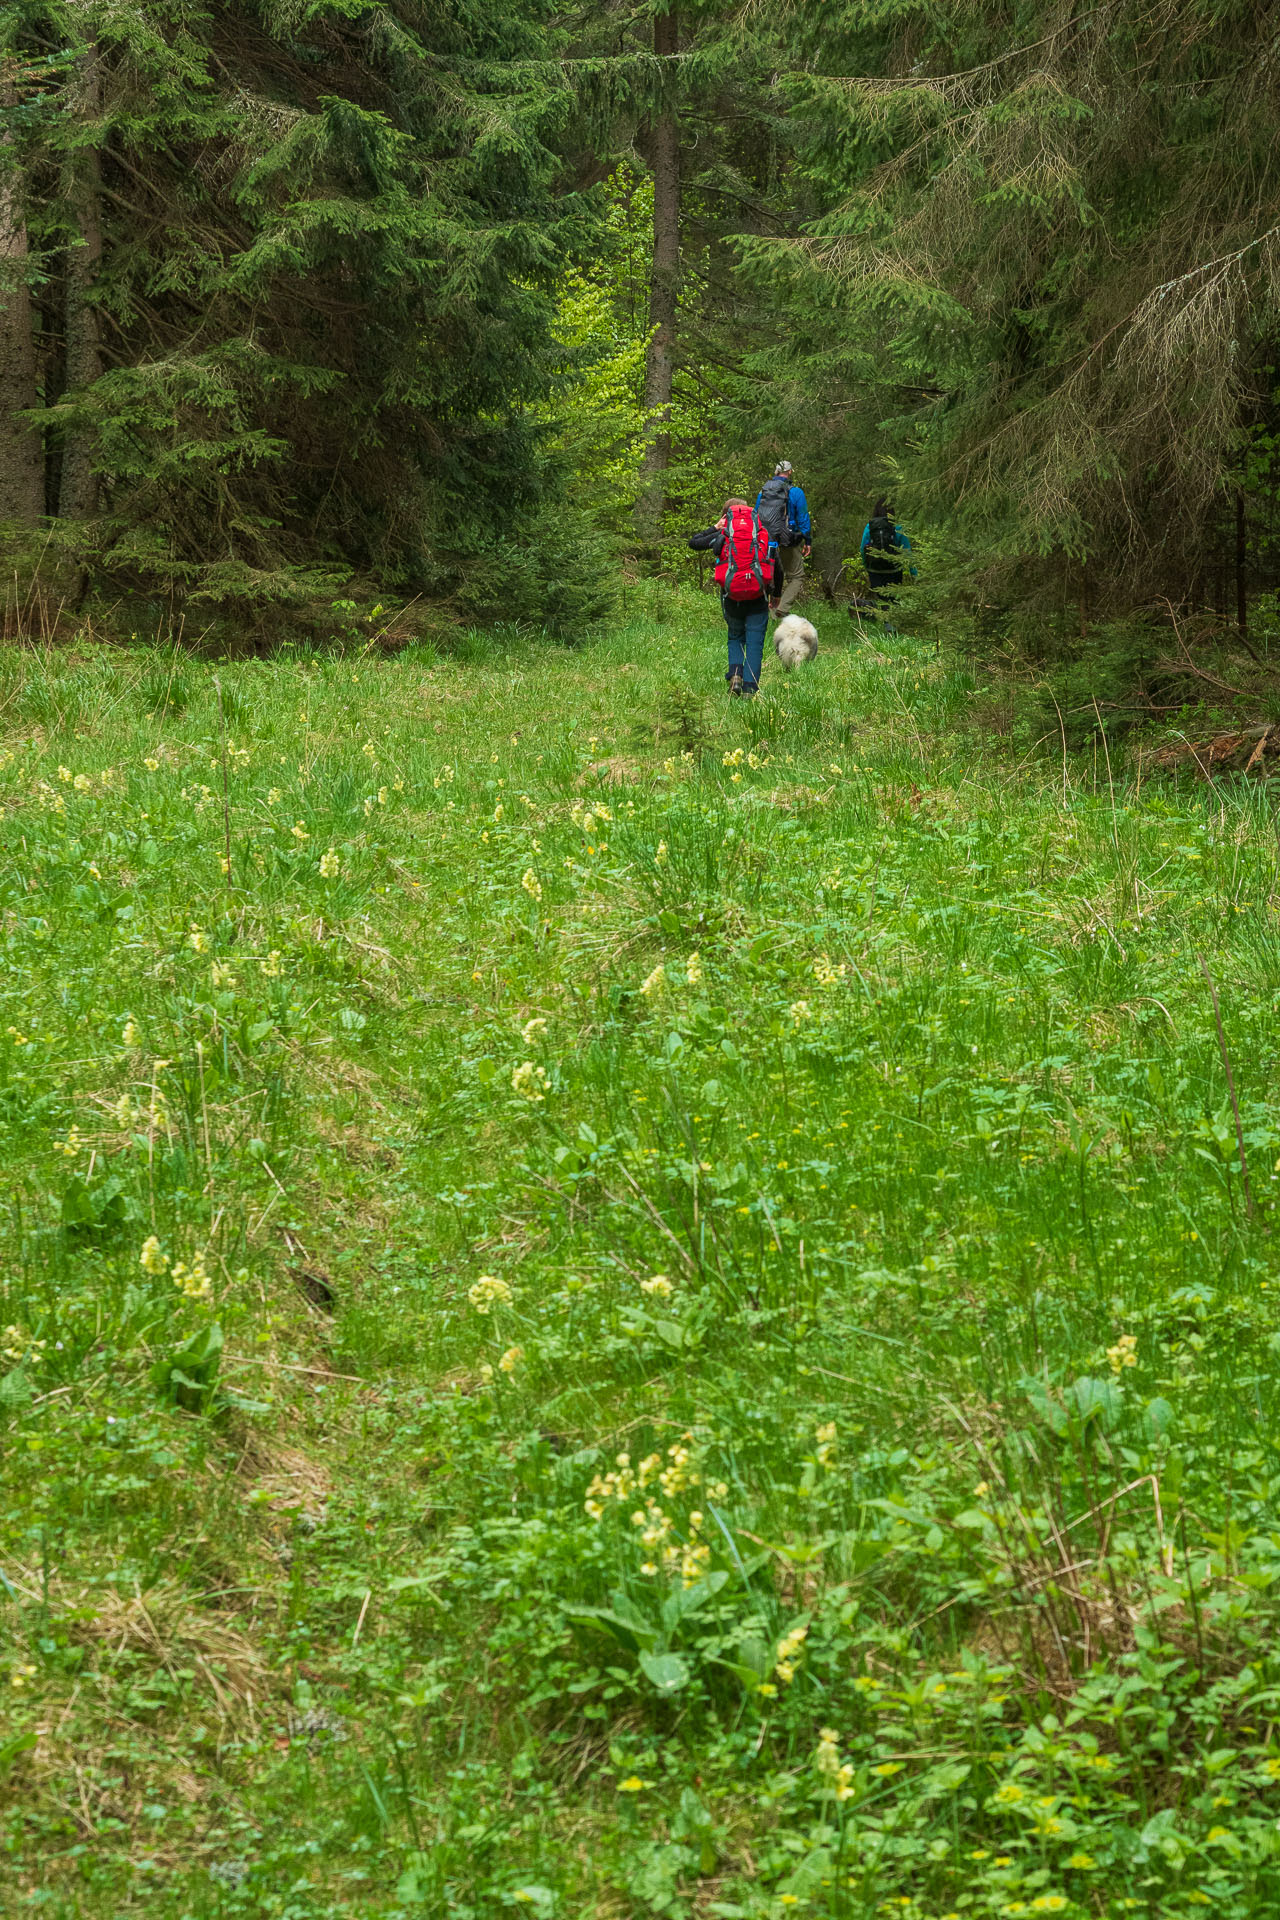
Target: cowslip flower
<point>271,965</point>
<point>197,939</point>
<point>274,797</point>
<point>489,1292</point>
<point>16,1344</point>
<point>532,1031</point>
<point>511,1359</point>
<point>800,1012</point>
<point>299,832</point>
<point>660,855</point>
<point>836,1776</point>
<point>659,1285</point>
<point>329,864</point>
<point>1122,1354</point>
<point>531,884</point>
<point>73,1143</point>
<point>153,1258</point>
<point>221,975</point>
<point>529,1081</point>
<point>693,970</point>
<point>192,1281</point>
<point>655,984</point>
<point>790,1653</point>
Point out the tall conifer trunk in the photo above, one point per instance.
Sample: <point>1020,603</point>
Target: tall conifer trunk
<point>21,452</point>
<point>78,492</point>
<point>663,292</point>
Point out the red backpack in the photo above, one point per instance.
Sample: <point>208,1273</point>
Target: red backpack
<point>745,570</point>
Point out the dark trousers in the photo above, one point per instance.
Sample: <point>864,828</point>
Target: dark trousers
<point>746,620</point>
<point>880,578</point>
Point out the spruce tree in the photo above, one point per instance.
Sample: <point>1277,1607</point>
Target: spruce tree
<point>286,298</point>
<point>1040,280</point>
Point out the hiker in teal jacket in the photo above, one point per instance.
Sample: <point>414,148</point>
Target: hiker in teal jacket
<point>882,543</point>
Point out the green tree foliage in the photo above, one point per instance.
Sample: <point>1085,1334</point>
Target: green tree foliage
<point>1039,280</point>
<point>325,242</point>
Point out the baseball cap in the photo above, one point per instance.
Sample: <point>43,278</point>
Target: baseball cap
<point>784,466</point>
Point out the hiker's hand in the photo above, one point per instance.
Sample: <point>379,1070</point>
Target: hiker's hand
<point>806,549</point>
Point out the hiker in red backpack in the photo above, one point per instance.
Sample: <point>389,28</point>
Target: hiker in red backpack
<point>747,574</point>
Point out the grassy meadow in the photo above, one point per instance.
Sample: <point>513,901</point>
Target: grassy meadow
<point>617,1304</point>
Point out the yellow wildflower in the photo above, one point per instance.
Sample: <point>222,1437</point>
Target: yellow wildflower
<point>488,1292</point>
<point>329,864</point>
<point>529,1081</point>
<point>192,1281</point>
<point>790,1653</point>
<point>1122,1354</point>
<point>656,982</point>
<point>531,884</point>
<point>837,1776</point>
<point>151,1258</point>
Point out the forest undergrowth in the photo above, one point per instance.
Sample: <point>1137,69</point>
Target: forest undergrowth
<point>620,1304</point>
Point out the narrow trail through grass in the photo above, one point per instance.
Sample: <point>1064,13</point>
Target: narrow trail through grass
<point>649,1307</point>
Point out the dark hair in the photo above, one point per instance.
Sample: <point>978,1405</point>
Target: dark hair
<point>882,510</point>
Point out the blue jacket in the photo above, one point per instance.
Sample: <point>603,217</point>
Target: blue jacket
<point>904,546</point>
<point>797,511</point>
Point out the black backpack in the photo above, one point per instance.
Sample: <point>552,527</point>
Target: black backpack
<point>883,535</point>
<point>775,509</point>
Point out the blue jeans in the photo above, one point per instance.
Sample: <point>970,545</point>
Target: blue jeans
<point>747,620</point>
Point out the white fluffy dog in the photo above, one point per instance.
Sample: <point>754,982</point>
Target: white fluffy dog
<point>794,640</point>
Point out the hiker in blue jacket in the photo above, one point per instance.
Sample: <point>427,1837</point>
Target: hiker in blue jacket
<point>883,542</point>
<point>785,511</point>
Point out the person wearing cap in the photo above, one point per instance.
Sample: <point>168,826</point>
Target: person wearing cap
<point>785,511</point>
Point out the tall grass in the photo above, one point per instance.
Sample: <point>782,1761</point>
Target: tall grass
<point>645,1307</point>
